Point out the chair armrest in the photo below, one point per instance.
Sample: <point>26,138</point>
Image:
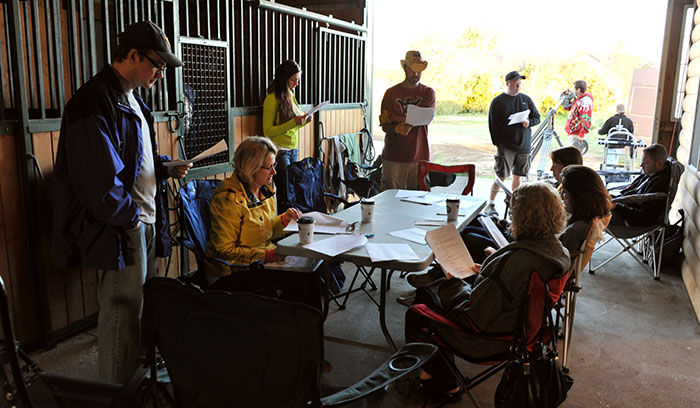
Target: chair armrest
<point>410,357</point>
<point>639,198</point>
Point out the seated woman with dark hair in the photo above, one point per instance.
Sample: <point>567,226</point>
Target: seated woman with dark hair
<point>585,198</point>
<point>562,157</point>
<point>492,304</point>
<point>243,213</point>
<point>475,236</point>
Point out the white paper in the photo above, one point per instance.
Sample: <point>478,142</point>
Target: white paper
<point>519,117</point>
<point>430,223</point>
<point>317,108</point>
<point>295,263</point>
<point>390,252</point>
<point>427,199</point>
<point>450,251</point>
<point>410,193</point>
<point>504,188</point>
<point>493,231</point>
<point>411,234</point>
<point>417,116</point>
<point>217,148</point>
<point>338,244</point>
<point>325,224</point>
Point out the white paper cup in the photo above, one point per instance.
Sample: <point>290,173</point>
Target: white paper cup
<point>452,209</point>
<point>367,208</point>
<point>306,230</point>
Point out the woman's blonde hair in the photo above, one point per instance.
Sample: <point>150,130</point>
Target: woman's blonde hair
<point>537,211</point>
<point>250,156</point>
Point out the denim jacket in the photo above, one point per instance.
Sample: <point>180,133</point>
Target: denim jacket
<point>98,160</point>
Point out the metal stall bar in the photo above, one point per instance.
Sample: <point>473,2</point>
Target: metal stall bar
<point>39,61</point>
<point>26,164</point>
<point>58,62</point>
<point>24,7</point>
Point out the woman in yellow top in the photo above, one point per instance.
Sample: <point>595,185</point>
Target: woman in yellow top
<point>243,212</point>
<point>282,116</point>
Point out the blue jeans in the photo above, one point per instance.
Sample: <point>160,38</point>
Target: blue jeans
<point>285,158</point>
<point>120,294</point>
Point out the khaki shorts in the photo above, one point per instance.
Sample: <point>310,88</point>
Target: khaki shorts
<point>509,162</point>
<point>399,175</point>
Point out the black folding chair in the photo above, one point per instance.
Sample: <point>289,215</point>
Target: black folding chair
<point>226,349</point>
<point>27,385</point>
<point>644,243</point>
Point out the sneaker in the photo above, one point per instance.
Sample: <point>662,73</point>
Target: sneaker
<point>491,210</point>
<point>420,280</point>
<point>406,300</point>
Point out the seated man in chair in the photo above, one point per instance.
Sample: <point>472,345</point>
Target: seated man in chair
<point>656,179</point>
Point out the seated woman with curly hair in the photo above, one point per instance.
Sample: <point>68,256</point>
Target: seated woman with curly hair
<point>492,304</point>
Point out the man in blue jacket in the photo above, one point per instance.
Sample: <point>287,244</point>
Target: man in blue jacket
<point>107,190</point>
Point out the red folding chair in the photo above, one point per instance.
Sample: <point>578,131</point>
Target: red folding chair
<point>533,312</point>
<point>431,175</point>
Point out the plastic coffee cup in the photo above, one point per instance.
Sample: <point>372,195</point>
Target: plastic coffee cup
<point>367,208</point>
<point>452,209</point>
<point>306,229</point>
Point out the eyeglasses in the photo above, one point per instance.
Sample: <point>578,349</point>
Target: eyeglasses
<point>159,68</point>
<point>270,167</point>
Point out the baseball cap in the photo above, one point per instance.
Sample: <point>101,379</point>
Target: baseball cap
<point>514,75</point>
<point>145,35</point>
<point>414,61</point>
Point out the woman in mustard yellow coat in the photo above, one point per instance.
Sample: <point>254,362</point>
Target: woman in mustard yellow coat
<point>244,218</point>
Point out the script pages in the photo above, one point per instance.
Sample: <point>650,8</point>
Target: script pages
<point>450,251</point>
<point>493,231</point>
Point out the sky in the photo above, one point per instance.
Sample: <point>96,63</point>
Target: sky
<point>535,27</point>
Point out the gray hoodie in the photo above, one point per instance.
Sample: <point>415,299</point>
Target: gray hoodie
<point>493,304</point>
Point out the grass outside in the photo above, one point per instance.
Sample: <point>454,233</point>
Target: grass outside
<point>464,138</point>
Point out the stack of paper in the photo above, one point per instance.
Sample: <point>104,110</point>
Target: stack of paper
<point>338,244</point>
<point>390,252</point>
<point>295,263</point>
<point>493,231</point>
<point>418,116</point>
<point>216,149</point>
<point>411,234</point>
<point>419,197</point>
<point>450,251</point>
<point>325,224</point>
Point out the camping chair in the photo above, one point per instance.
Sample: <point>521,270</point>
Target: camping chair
<point>568,300</point>
<point>303,188</point>
<point>456,179</point>
<point>29,386</point>
<point>226,349</point>
<point>195,198</point>
<point>349,166</point>
<point>535,328</point>
<point>645,243</point>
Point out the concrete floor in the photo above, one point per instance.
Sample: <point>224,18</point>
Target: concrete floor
<point>636,341</point>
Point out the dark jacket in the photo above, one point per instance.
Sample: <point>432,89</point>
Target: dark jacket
<point>98,160</point>
<point>499,291</point>
<point>649,212</point>
<point>512,137</point>
<point>614,121</point>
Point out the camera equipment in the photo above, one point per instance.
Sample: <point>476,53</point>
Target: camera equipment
<point>542,138</point>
